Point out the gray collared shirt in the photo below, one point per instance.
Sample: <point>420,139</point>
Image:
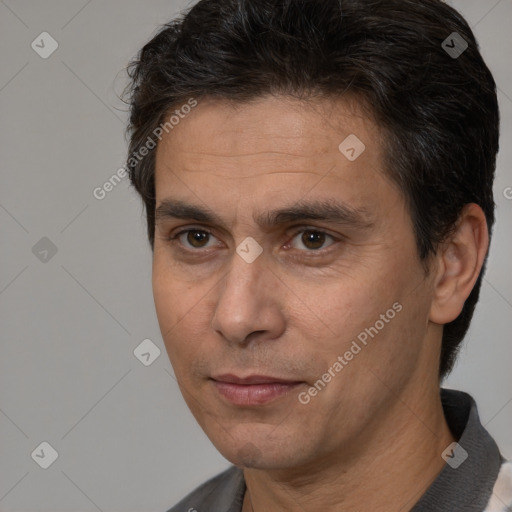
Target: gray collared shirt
<point>481,483</point>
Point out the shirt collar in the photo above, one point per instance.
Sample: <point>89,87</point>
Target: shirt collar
<point>468,486</point>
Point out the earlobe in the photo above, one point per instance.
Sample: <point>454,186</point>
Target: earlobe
<point>460,259</point>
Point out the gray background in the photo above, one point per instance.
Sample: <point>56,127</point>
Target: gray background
<point>69,325</point>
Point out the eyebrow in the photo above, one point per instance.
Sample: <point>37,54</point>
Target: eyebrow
<point>328,210</point>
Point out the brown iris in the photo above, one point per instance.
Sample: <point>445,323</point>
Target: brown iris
<point>197,236</point>
<point>313,239</point>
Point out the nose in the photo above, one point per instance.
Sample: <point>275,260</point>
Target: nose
<point>249,302</point>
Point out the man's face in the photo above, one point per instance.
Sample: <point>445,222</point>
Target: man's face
<point>317,287</point>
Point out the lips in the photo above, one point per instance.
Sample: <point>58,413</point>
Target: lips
<point>252,379</point>
<point>253,389</point>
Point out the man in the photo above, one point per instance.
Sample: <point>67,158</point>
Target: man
<point>317,177</point>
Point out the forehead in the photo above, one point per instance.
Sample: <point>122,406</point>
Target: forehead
<point>281,125</point>
<point>269,147</point>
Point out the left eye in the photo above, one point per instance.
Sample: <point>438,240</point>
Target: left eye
<point>312,239</point>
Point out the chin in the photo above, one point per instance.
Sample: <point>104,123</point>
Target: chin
<point>248,456</point>
<point>261,452</point>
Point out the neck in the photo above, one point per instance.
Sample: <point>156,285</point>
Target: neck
<point>391,467</point>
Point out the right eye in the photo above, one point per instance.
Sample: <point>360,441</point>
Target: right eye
<point>195,238</point>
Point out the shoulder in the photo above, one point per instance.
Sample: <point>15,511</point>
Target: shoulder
<point>222,493</point>
<point>501,498</point>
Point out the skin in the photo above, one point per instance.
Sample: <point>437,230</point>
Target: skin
<point>293,310</point>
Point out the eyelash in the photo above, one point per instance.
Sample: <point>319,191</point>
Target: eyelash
<point>312,253</point>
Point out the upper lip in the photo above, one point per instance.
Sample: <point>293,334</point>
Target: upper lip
<point>252,379</point>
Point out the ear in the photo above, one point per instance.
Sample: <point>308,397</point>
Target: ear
<point>459,262</point>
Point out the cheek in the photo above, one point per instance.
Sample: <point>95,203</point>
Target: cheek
<point>343,309</point>
<point>178,305</point>
<point>164,296</point>
<point>372,321</point>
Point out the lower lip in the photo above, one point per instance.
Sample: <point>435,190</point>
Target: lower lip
<point>253,394</point>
